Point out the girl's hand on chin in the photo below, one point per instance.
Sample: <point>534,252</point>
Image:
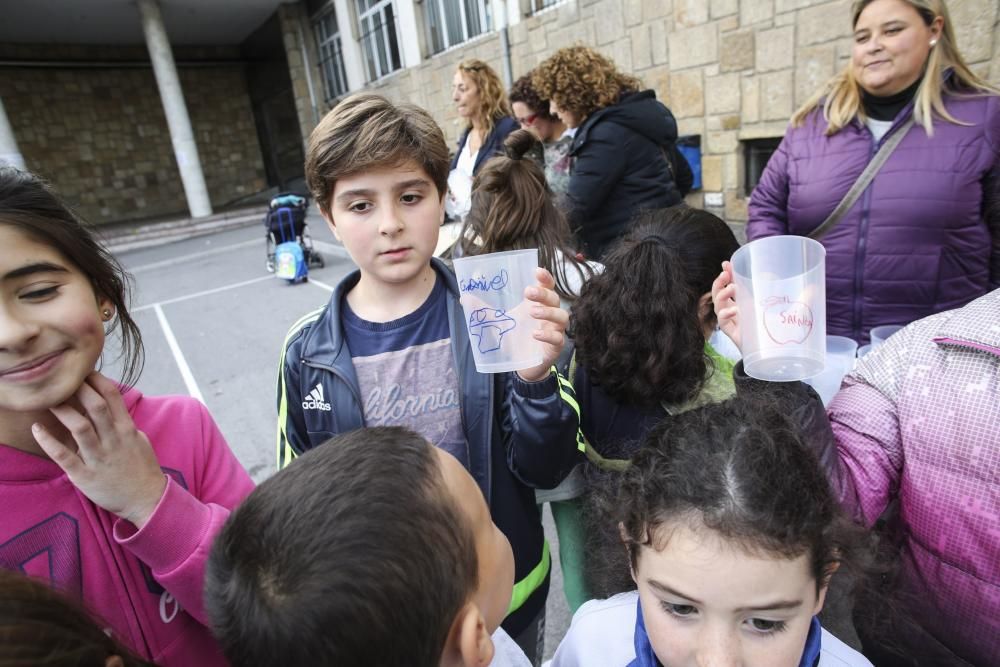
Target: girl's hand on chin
<point>112,462</point>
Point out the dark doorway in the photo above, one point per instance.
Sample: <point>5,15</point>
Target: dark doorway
<point>273,103</point>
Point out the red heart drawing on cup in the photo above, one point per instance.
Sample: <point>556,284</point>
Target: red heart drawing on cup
<point>787,321</point>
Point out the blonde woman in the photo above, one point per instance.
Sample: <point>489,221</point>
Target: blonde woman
<point>481,102</point>
<point>917,240</point>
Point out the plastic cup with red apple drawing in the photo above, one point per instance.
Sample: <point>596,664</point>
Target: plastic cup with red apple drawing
<point>771,300</point>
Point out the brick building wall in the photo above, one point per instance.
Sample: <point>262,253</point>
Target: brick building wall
<point>730,70</point>
<point>99,134</point>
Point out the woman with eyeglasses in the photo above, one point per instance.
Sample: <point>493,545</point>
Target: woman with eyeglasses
<point>481,102</point>
<point>532,114</point>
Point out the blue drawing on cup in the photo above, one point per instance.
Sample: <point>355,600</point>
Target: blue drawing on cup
<point>489,325</point>
<point>483,283</point>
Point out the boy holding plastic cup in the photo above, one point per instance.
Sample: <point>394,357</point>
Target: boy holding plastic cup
<point>392,347</point>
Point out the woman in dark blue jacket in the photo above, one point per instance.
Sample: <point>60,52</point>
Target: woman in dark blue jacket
<point>620,153</point>
<point>480,99</point>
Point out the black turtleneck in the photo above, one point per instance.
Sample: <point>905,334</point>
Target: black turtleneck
<point>888,106</point>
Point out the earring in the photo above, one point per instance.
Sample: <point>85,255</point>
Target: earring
<point>933,42</point>
<point>106,313</point>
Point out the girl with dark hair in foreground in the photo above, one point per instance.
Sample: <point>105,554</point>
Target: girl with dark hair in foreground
<point>731,537</point>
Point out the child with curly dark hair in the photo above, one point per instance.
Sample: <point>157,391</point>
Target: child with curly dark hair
<point>643,327</point>
<point>732,536</point>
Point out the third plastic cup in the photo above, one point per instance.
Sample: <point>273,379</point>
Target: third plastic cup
<point>781,296</point>
<point>880,334</point>
<point>496,312</point>
<point>840,359</point>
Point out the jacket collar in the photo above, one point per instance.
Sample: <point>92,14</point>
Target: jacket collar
<point>644,656</point>
<point>947,85</point>
<point>584,130</point>
<point>324,343</point>
<point>975,325</point>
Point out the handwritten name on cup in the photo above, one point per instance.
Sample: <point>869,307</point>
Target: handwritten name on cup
<point>484,283</point>
<point>787,321</point>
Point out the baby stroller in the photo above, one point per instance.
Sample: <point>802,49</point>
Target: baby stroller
<point>286,221</point>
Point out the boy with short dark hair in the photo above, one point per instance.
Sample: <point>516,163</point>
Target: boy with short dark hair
<point>376,549</point>
<point>392,346</point>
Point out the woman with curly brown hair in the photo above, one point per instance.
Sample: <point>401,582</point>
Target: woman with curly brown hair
<point>480,100</point>
<point>620,151</point>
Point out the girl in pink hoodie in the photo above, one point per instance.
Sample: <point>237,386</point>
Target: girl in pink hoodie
<point>112,497</point>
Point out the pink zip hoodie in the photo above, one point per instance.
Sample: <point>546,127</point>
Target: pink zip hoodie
<point>145,586</point>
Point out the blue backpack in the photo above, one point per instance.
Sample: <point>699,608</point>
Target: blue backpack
<point>289,260</point>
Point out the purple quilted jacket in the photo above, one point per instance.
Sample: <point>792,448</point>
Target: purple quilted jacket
<point>919,421</point>
<point>916,242</point>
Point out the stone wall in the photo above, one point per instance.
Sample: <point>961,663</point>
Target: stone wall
<point>730,70</point>
<point>99,134</point>
<point>303,66</point>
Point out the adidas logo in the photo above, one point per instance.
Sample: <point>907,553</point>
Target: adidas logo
<point>314,401</point>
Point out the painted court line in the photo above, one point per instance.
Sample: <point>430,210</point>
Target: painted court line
<point>195,255</point>
<point>182,364</point>
<point>321,285</point>
<point>195,295</point>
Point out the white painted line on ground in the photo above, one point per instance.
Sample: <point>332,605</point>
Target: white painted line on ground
<point>313,281</point>
<point>215,290</point>
<point>196,255</point>
<point>182,365</point>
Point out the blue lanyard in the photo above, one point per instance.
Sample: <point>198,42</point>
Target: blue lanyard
<point>644,656</point>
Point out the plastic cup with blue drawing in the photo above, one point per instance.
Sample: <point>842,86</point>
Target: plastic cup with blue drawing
<point>840,359</point>
<point>496,312</point>
<point>781,296</point>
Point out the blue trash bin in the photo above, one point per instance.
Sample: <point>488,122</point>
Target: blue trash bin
<point>689,146</point>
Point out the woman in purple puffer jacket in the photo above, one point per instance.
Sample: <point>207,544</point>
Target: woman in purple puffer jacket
<point>917,241</point>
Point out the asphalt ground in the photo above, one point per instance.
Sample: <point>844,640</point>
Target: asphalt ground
<point>213,321</point>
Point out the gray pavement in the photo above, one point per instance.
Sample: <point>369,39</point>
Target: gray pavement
<point>213,321</point>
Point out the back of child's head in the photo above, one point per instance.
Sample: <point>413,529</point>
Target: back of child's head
<point>352,555</point>
<point>366,132</point>
<point>42,628</point>
<point>513,209</point>
<point>640,325</point>
<point>30,206</point>
<point>742,470</point>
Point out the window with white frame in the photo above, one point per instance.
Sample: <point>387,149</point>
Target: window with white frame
<point>379,45</point>
<point>451,22</point>
<point>539,5</point>
<point>331,55</point>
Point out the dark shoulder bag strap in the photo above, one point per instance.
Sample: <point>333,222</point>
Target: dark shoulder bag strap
<point>864,180</point>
